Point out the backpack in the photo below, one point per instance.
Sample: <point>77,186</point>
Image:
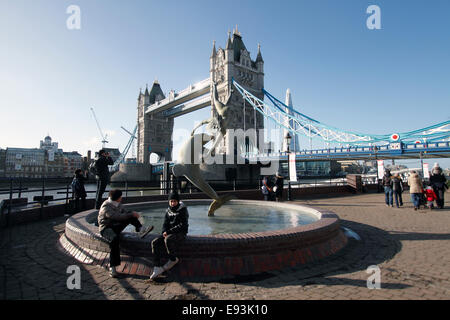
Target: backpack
<point>76,186</point>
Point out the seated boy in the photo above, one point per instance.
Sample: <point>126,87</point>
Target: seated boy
<point>112,219</point>
<point>174,231</point>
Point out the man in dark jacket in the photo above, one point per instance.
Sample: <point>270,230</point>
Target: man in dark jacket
<point>102,175</point>
<point>112,219</point>
<point>397,188</point>
<point>279,185</point>
<point>387,184</point>
<point>438,183</point>
<point>174,231</point>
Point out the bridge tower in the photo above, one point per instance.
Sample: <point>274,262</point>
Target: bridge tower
<point>235,62</point>
<point>154,132</point>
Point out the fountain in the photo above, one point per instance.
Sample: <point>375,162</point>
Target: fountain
<point>245,237</point>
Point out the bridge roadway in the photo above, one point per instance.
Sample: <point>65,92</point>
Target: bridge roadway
<point>177,99</point>
<point>407,151</point>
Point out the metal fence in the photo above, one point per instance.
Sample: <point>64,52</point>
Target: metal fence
<point>52,191</point>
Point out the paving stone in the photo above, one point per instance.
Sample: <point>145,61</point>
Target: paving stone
<point>412,250</point>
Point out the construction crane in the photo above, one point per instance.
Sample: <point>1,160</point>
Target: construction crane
<point>132,138</point>
<point>100,129</point>
<point>121,159</point>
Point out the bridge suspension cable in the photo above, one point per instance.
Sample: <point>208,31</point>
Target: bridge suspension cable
<point>301,124</point>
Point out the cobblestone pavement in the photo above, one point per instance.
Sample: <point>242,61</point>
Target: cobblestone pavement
<point>411,248</point>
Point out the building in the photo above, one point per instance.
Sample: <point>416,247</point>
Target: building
<point>72,161</point>
<point>154,133</point>
<point>235,62</point>
<point>54,160</point>
<point>46,161</point>
<point>294,145</point>
<point>313,168</point>
<point>25,163</point>
<point>2,162</point>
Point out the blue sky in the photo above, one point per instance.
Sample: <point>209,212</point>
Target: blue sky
<point>339,72</point>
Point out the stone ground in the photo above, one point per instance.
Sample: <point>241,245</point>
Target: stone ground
<point>411,248</point>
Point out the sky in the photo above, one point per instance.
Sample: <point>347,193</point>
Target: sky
<point>394,79</point>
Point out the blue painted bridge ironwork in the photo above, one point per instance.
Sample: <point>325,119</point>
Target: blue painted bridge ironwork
<point>439,149</point>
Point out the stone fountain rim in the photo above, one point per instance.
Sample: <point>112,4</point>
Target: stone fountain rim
<point>327,220</point>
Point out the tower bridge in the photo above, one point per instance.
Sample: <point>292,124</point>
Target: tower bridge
<point>233,70</point>
<point>156,112</point>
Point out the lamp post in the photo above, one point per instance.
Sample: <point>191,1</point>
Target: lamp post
<point>288,143</point>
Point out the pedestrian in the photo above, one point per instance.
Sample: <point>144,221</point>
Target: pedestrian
<point>439,184</point>
<point>387,184</point>
<point>112,219</point>
<point>267,188</point>
<point>278,188</point>
<point>397,189</point>
<point>102,175</point>
<point>174,231</point>
<point>431,196</point>
<point>78,191</point>
<point>415,188</point>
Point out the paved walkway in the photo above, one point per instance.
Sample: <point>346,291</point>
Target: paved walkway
<point>411,248</point>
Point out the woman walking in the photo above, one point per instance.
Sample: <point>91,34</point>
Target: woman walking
<point>415,188</point>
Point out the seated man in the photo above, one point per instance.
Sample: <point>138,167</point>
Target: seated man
<point>112,219</point>
<point>174,231</point>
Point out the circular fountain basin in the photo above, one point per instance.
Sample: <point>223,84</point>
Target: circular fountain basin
<point>244,237</point>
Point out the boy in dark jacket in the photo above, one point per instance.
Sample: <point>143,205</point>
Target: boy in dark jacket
<point>78,191</point>
<point>174,231</point>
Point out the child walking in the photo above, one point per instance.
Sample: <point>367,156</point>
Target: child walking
<point>431,197</point>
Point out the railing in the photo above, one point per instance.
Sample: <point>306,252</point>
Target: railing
<point>49,191</point>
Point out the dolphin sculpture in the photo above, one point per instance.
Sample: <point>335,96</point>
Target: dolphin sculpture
<point>189,167</point>
<point>190,157</point>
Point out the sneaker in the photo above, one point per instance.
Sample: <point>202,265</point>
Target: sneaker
<point>144,231</point>
<point>112,272</point>
<point>169,265</point>
<point>157,271</point>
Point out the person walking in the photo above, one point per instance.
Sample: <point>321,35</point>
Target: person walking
<point>415,188</point>
<point>279,185</point>
<point>267,188</point>
<point>387,184</point>
<point>431,196</point>
<point>397,189</point>
<point>174,231</point>
<point>78,191</point>
<point>112,219</point>
<point>439,184</point>
<point>102,175</point>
